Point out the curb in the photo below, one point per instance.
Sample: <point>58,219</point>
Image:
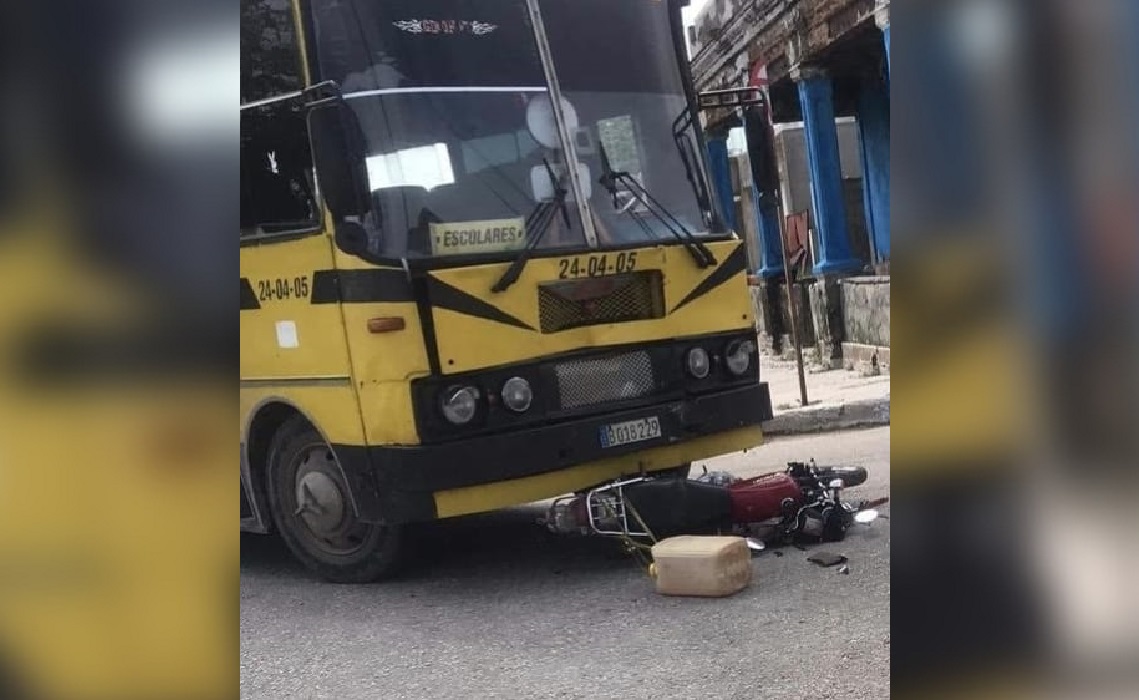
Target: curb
<point>857,414</point>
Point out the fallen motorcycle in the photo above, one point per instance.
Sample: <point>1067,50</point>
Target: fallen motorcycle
<point>802,504</point>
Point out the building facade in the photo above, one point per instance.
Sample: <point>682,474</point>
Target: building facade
<point>823,63</point>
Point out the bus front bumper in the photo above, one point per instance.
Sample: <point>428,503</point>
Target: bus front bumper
<point>408,484</point>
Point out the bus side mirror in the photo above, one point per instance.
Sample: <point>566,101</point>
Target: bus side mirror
<point>339,156</point>
<point>351,237</point>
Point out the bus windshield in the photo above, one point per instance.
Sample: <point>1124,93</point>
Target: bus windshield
<point>462,144</point>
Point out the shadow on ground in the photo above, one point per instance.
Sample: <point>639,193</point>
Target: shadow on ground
<point>493,550</point>
<point>494,547</point>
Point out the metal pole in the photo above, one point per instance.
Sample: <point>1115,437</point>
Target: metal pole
<point>794,315</point>
<point>761,152</point>
<point>556,101</point>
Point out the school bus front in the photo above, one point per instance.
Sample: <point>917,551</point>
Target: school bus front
<point>510,283</point>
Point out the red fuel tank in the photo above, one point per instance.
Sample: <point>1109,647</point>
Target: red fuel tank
<point>761,498</point>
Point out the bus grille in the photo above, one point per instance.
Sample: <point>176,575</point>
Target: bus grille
<point>589,302</point>
<point>603,380</point>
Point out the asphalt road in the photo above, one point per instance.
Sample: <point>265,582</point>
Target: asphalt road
<point>496,607</point>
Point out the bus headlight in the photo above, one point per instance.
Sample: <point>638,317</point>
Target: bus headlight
<point>738,356</point>
<point>517,394</point>
<point>699,364</point>
<point>460,404</point>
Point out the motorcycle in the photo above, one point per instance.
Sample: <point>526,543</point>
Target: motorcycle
<point>799,505</point>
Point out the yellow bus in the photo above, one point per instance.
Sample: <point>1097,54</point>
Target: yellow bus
<point>480,266</point>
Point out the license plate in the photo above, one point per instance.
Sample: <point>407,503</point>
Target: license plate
<point>630,431</point>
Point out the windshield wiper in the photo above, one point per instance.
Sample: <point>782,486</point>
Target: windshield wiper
<point>688,157</point>
<point>537,221</point>
<point>610,179</point>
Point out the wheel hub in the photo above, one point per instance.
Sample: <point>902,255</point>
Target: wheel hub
<point>320,502</point>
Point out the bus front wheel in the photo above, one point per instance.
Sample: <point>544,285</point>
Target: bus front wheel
<point>312,509</point>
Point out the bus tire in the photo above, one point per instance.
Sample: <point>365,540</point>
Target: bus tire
<point>312,509</point>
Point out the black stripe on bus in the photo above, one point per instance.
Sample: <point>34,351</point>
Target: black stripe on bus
<point>382,285</point>
<point>733,265</point>
<point>390,285</point>
<point>427,322</point>
<point>248,298</point>
<point>444,296</point>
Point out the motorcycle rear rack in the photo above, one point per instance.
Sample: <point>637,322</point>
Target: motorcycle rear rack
<point>607,507</point>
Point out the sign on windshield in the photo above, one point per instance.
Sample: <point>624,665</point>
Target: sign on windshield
<point>469,237</point>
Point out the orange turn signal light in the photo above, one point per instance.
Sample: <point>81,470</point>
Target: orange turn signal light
<point>386,324</point>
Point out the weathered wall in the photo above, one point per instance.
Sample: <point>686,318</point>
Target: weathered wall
<point>795,180</point>
<point>843,322</point>
<point>791,158</point>
<point>773,320</point>
<point>806,322</point>
<point>866,310</point>
<point>776,33</point>
<point>856,229</point>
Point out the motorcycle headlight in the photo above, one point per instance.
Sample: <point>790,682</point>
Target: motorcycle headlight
<point>517,394</point>
<point>738,356</point>
<point>460,404</point>
<point>699,364</point>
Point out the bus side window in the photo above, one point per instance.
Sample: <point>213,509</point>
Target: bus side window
<point>277,193</point>
<point>277,190</point>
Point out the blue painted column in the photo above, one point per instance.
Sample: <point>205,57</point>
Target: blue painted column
<point>765,189</point>
<point>874,138</point>
<point>882,19</point>
<point>721,169</point>
<point>769,233</point>
<point>816,98</point>
<point>886,40</point>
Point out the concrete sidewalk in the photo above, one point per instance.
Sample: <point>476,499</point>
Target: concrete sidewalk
<point>839,398</point>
